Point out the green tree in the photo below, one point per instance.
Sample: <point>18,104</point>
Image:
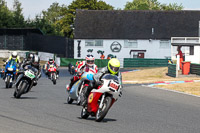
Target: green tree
<point>151,5</point>
<point>67,21</point>
<point>6,16</point>
<point>18,17</point>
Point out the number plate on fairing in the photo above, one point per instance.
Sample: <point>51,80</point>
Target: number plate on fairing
<point>114,85</point>
<point>30,74</point>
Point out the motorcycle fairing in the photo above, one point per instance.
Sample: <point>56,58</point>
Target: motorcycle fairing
<point>93,102</point>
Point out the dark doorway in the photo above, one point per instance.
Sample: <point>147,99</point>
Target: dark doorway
<point>140,55</point>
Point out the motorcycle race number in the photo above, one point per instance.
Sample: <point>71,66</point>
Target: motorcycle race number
<point>90,98</point>
<point>29,74</point>
<point>114,86</point>
<point>52,69</point>
<point>51,65</point>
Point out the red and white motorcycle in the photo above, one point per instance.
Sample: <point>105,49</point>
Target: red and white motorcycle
<point>100,100</point>
<point>52,73</point>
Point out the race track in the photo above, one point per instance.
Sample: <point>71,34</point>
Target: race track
<point>139,110</point>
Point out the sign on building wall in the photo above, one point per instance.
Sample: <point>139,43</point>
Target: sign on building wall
<point>115,46</point>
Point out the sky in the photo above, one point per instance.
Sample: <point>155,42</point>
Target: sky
<point>34,7</point>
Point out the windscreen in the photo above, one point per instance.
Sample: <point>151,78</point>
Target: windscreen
<point>109,76</point>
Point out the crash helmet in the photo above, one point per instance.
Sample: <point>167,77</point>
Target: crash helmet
<point>89,60</point>
<point>30,56</point>
<point>51,60</point>
<point>113,66</point>
<point>14,55</point>
<point>35,61</point>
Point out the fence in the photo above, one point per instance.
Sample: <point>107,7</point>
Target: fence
<point>171,70</point>
<point>135,62</point>
<point>66,61</point>
<point>195,69</point>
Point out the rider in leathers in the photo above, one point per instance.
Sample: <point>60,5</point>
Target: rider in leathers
<point>84,66</point>
<point>34,62</point>
<point>112,68</point>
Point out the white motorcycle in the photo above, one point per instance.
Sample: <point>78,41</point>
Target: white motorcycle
<point>100,100</point>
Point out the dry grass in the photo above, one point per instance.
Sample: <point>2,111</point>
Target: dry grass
<point>150,75</point>
<point>190,88</point>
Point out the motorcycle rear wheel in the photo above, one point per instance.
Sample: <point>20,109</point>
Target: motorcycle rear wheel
<point>101,113</point>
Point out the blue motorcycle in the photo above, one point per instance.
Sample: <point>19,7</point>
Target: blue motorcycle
<point>76,90</point>
<point>10,72</point>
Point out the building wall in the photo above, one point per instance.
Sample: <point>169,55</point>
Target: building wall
<point>194,58</point>
<point>152,47</point>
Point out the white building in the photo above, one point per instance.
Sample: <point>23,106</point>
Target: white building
<point>190,46</point>
<point>131,34</point>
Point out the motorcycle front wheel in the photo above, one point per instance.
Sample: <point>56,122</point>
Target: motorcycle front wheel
<point>69,100</point>
<point>20,89</point>
<point>84,113</point>
<point>101,113</point>
<point>8,81</point>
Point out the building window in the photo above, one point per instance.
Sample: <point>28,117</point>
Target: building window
<point>94,43</point>
<point>130,44</point>
<point>191,50</point>
<point>164,44</point>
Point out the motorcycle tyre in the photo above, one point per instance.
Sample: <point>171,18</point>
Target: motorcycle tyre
<point>102,113</point>
<point>20,91</point>
<point>8,82</point>
<point>69,100</point>
<point>84,113</point>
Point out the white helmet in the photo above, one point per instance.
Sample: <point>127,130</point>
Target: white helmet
<point>14,55</point>
<point>89,60</point>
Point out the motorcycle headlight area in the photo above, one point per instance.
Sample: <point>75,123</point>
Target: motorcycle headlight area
<point>10,69</point>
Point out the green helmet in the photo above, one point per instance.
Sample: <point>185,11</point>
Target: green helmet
<point>113,65</point>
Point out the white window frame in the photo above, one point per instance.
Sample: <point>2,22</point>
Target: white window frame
<point>94,43</point>
<point>127,44</point>
<point>166,46</point>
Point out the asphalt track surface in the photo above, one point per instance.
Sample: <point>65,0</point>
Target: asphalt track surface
<point>139,110</point>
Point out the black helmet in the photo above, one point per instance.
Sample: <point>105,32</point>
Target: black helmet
<point>35,61</point>
<point>30,56</point>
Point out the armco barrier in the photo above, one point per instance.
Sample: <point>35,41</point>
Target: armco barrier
<point>195,68</point>
<point>171,70</point>
<point>66,61</point>
<point>140,62</point>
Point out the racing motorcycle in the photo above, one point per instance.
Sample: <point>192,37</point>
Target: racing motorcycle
<point>76,90</point>
<point>25,81</point>
<point>100,100</point>
<point>10,72</point>
<point>52,73</point>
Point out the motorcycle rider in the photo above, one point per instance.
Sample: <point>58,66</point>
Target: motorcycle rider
<point>47,65</point>
<point>35,63</point>
<point>14,56</point>
<point>112,68</point>
<point>84,66</point>
<point>29,58</point>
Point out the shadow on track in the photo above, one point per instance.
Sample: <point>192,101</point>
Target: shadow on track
<point>105,120</point>
<point>25,98</point>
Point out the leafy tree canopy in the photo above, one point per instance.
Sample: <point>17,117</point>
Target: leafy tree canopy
<point>151,5</point>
